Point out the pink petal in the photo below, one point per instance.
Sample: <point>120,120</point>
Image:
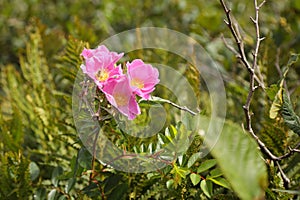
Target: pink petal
<point>138,70</point>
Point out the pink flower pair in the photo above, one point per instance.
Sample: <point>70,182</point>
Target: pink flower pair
<point>120,89</point>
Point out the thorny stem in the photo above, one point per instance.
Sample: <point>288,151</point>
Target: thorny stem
<point>252,69</point>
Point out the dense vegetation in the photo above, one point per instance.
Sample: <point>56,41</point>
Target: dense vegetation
<point>42,156</point>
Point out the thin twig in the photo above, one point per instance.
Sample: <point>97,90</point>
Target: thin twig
<point>286,180</point>
<point>92,175</point>
<point>291,152</point>
<point>161,100</point>
<point>277,65</point>
<point>236,36</point>
<point>231,48</point>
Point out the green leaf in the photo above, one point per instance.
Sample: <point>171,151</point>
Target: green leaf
<point>55,175</point>
<point>220,181</point>
<point>296,192</point>
<point>170,132</point>
<point>40,194</point>
<point>278,100</point>
<point>215,173</point>
<point>272,91</point>
<point>70,184</point>
<point>63,197</point>
<point>111,182</point>
<point>118,192</point>
<point>193,159</point>
<point>205,188</point>
<point>293,59</point>
<point>170,183</point>
<point>206,165</point>
<point>34,171</point>
<point>290,118</point>
<point>195,178</point>
<point>84,158</point>
<point>238,157</point>
<point>182,172</point>
<point>52,194</point>
<point>276,105</point>
<point>92,190</point>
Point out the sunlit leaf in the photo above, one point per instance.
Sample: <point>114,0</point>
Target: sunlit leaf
<point>195,178</point>
<point>52,194</point>
<point>205,188</point>
<point>206,165</point>
<point>193,159</point>
<point>220,181</point>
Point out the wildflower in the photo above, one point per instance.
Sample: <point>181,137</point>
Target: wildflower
<point>120,95</point>
<point>100,64</point>
<point>143,77</point>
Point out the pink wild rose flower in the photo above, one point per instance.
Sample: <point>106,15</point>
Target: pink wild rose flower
<point>143,77</point>
<point>100,64</point>
<point>120,95</point>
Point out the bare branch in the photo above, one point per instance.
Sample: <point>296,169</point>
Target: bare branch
<point>231,48</point>
<point>237,36</point>
<point>286,180</point>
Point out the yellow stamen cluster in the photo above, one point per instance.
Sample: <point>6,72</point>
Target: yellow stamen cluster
<point>137,83</point>
<point>102,75</point>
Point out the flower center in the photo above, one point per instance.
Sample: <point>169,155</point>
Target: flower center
<point>121,99</point>
<point>137,83</point>
<point>102,75</point>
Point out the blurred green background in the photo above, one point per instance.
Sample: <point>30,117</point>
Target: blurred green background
<point>40,43</point>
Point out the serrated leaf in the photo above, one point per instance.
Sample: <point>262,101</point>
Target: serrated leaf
<point>206,165</point>
<point>195,178</point>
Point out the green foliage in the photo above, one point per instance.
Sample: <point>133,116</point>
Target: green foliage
<point>41,155</point>
<point>245,169</point>
<point>290,118</point>
<point>15,177</point>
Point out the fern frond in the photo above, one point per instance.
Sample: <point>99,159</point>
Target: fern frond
<point>70,61</point>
